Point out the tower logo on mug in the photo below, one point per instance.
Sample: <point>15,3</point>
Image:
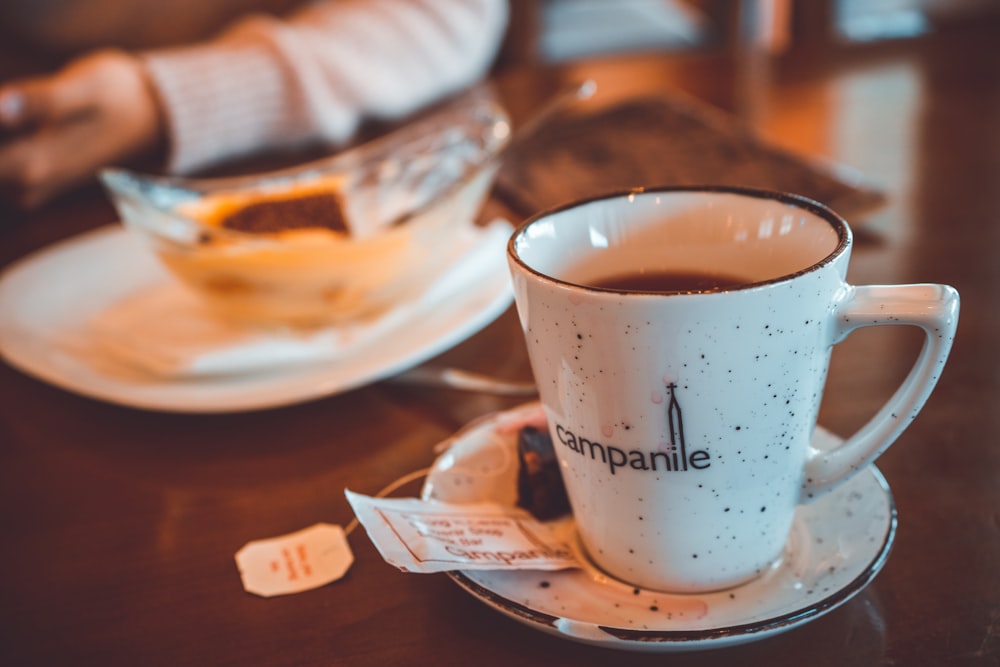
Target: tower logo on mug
<point>672,456</point>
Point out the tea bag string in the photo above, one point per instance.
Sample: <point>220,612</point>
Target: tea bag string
<point>389,488</point>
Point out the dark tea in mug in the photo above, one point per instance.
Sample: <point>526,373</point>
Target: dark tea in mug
<point>674,282</point>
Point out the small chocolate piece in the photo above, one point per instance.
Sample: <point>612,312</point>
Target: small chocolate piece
<point>540,487</point>
<point>274,215</point>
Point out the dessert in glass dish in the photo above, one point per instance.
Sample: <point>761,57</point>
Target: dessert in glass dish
<point>330,241</point>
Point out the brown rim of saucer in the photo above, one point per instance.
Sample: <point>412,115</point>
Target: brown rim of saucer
<point>838,223</point>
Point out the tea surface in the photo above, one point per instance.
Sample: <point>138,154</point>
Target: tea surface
<point>669,281</point>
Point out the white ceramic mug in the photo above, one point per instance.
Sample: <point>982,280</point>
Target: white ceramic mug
<point>682,421</point>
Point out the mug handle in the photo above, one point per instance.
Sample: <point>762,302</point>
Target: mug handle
<point>933,308</point>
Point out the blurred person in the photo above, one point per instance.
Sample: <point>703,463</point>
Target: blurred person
<point>261,84</point>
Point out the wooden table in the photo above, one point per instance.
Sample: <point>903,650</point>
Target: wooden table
<point>118,526</point>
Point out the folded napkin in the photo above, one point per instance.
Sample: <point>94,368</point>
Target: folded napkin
<point>668,140</point>
<point>166,331</point>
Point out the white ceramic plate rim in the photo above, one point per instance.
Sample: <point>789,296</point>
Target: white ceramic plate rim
<point>669,638</point>
<point>55,288</point>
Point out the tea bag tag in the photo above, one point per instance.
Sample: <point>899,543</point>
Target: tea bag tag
<point>426,536</point>
<point>295,562</point>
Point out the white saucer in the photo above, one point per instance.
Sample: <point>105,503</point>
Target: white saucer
<point>838,544</point>
<point>49,296</point>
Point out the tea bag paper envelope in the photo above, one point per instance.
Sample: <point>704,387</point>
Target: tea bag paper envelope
<point>166,331</point>
<point>426,536</point>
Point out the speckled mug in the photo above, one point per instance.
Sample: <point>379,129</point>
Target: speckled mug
<point>682,421</point>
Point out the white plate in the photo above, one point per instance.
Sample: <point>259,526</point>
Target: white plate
<point>838,544</point>
<point>58,289</point>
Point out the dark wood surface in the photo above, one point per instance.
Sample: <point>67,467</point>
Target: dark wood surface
<point>118,526</point>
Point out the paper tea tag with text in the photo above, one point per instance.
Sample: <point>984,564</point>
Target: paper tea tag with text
<point>296,562</point>
<point>419,536</point>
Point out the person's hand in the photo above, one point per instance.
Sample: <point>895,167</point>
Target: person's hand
<point>58,131</point>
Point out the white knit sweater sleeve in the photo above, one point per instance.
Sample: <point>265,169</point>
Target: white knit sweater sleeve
<point>274,84</point>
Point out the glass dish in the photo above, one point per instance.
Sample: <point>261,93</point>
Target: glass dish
<point>398,199</point>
